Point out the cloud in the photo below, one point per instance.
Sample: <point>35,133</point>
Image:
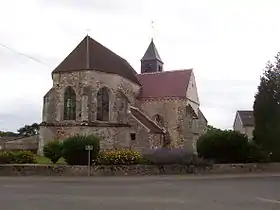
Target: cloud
<point>226,43</point>
<point>23,115</point>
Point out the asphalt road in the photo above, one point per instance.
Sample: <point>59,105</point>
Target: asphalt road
<point>138,193</point>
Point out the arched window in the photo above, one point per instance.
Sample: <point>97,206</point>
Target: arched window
<point>103,104</point>
<point>159,120</point>
<point>69,104</point>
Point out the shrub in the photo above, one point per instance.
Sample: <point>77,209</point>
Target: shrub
<point>19,157</point>
<point>224,146</point>
<point>257,154</point>
<point>74,151</point>
<point>53,151</point>
<point>23,157</point>
<point>5,157</point>
<point>165,156</point>
<point>120,157</point>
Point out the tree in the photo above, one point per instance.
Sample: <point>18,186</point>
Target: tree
<point>53,150</point>
<point>29,130</point>
<point>267,109</point>
<point>212,128</point>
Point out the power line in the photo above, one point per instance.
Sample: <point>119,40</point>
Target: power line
<point>25,55</point>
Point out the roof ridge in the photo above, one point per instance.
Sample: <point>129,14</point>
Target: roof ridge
<point>169,71</point>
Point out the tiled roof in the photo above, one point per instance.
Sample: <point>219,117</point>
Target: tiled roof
<point>146,121</point>
<point>91,55</point>
<point>247,117</point>
<point>164,84</point>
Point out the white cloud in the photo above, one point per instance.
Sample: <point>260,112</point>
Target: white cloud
<point>226,42</point>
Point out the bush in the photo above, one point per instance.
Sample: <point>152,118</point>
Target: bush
<point>165,156</point>
<point>74,151</point>
<point>224,147</point>
<point>19,157</point>
<point>257,154</point>
<point>5,157</point>
<point>120,157</point>
<point>53,151</point>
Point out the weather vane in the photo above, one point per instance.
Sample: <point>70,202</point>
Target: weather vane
<point>87,30</point>
<point>153,29</point>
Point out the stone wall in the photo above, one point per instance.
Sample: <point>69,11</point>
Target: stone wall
<point>168,110</point>
<point>134,170</point>
<point>183,129</point>
<point>192,129</point>
<point>86,85</point>
<point>111,136</point>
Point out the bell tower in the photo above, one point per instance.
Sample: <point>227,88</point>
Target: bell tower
<point>151,61</point>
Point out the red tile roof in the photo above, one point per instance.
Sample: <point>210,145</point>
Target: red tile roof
<point>164,84</point>
<point>146,121</point>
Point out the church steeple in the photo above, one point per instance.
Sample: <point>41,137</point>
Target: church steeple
<point>151,61</point>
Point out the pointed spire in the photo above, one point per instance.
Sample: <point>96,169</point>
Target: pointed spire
<point>151,53</point>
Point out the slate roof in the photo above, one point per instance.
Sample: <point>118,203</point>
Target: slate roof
<point>164,84</point>
<point>91,55</point>
<point>247,117</point>
<point>151,53</point>
<point>146,121</point>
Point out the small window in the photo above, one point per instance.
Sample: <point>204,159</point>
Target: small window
<point>132,136</point>
<point>148,67</point>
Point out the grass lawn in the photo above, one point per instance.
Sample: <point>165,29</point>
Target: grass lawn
<point>44,160</point>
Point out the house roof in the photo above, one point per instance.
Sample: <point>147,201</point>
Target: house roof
<point>246,117</point>
<point>146,121</point>
<point>91,55</point>
<point>151,53</point>
<point>164,84</point>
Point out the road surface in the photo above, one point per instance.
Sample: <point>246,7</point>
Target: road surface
<point>256,192</point>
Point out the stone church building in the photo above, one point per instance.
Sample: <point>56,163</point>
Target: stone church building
<point>95,91</point>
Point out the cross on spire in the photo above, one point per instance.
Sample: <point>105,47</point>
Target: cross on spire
<point>152,29</point>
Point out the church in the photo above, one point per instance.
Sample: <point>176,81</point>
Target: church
<point>95,91</point>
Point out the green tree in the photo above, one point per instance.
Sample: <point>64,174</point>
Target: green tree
<point>29,130</point>
<point>267,110</point>
<point>212,128</point>
<point>53,150</point>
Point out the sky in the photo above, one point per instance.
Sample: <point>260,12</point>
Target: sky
<point>227,43</point>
